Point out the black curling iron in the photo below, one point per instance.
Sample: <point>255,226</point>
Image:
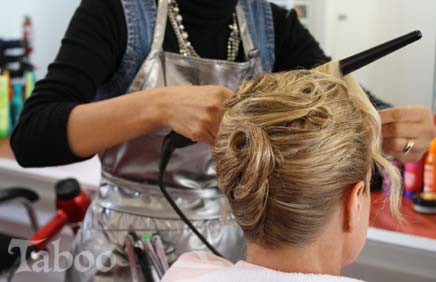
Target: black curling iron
<point>365,58</point>
<point>174,141</point>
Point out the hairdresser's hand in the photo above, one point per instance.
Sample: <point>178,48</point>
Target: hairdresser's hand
<point>193,111</point>
<point>402,124</point>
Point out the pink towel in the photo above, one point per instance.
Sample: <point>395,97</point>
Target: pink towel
<point>206,267</point>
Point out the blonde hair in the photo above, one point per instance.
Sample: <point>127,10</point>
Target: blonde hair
<point>289,146</point>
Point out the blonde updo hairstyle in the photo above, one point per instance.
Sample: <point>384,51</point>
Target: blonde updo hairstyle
<point>289,146</point>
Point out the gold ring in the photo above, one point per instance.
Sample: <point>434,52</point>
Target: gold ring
<point>409,146</point>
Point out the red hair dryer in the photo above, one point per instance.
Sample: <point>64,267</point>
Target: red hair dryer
<point>71,204</point>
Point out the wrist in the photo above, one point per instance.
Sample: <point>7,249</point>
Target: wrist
<point>156,107</point>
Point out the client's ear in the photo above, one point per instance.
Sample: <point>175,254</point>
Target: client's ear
<point>353,204</point>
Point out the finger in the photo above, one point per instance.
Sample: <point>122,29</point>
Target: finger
<point>227,92</point>
<point>402,130</point>
<point>215,122</point>
<point>395,147</point>
<point>208,138</point>
<point>409,158</point>
<point>224,92</point>
<point>204,135</point>
<point>213,134</point>
<point>408,114</point>
<point>185,131</point>
<point>213,129</point>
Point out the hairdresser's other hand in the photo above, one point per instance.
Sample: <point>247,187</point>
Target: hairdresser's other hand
<point>194,111</point>
<point>402,124</point>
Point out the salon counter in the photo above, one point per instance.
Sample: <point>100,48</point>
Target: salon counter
<point>5,149</point>
<point>87,172</point>
<point>414,223</point>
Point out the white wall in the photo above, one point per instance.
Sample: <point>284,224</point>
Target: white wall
<point>318,18</point>
<point>350,29</point>
<point>412,70</point>
<point>50,19</point>
<point>403,78</point>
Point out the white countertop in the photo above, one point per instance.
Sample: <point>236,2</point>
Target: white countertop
<point>402,239</point>
<point>87,172</point>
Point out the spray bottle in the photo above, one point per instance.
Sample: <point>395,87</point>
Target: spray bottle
<point>29,83</point>
<point>7,76</point>
<point>17,102</point>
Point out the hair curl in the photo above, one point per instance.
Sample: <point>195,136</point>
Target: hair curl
<point>289,146</point>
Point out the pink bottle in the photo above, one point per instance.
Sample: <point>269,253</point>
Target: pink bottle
<point>413,177</point>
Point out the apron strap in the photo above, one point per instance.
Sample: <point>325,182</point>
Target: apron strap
<point>160,27</point>
<point>249,49</point>
<point>156,44</point>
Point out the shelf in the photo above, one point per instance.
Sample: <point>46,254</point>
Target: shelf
<point>5,149</point>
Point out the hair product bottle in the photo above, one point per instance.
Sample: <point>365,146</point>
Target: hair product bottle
<point>413,177</point>
<point>28,35</point>
<point>16,103</point>
<point>4,106</point>
<point>430,169</point>
<point>29,78</point>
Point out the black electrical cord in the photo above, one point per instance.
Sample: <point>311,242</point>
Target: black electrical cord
<point>142,259</point>
<point>171,142</point>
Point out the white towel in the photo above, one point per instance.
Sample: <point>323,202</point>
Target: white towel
<point>205,267</point>
<point>253,275</point>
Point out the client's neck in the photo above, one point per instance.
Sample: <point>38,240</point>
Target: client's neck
<point>321,257</point>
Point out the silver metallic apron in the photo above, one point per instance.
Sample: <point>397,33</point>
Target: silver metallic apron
<point>129,198</point>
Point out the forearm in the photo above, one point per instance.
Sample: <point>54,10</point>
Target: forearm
<point>97,126</point>
<point>56,133</point>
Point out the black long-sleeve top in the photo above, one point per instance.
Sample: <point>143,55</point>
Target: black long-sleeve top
<point>93,47</point>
